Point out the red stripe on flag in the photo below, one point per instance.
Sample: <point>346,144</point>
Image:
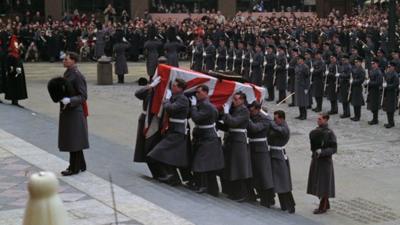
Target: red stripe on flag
<point>196,81</point>
<point>164,72</point>
<point>223,90</point>
<point>257,92</point>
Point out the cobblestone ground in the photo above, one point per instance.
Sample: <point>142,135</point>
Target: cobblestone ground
<point>366,165</point>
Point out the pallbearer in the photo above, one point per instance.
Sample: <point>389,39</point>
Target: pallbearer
<point>258,128</point>
<point>391,86</point>
<point>321,178</point>
<point>208,157</point>
<point>356,82</point>
<point>278,137</point>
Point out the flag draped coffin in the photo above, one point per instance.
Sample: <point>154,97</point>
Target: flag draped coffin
<point>220,92</point>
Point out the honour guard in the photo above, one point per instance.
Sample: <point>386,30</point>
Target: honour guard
<point>344,85</point>
<point>257,66</point>
<point>209,56</point>
<point>281,73</point>
<point>292,74</point>
<point>270,58</point>
<point>317,79</point>
<point>390,87</point>
<point>197,55</point>
<point>221,56</point>
<point>302,87</point>
<point>356,82</point>
<point>374,91</point>
<point>152,47</point>
<point>332,84</point>
<point>238,58</point>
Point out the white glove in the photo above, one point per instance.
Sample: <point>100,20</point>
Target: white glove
<point>337,74</point>
<point>193,100</point>
<point>204,54</point>
<point>326,72</point>
<point>243,56</point>
<point>351,81</point>
<point>124,39</point>
<point>226,108</point>
<point>251,61</point>
<point>287,66</point>
<point>384,85</point>
<point>18,70</point>
<point>312,70</point>
<point>168,95</point>
<point>65,101</point>
<point>318,151</point>
<point>367,81</point>
<point>276,66</point>
<point>155,82</point>
<point>193,51</point>
<point>305,91</point>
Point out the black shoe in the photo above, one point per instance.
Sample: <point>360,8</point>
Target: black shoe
<point>319,211</point>
<point>388,125</point>
<point>298,117</point>
<point>201,190</point>
<point>17,104</point>
<point>372,122</point>
<point>270,99</point>
<point>355,119</point>
<point>166,178</point>
<point>292,105</point>
<point>68,173</point>
<point>344,116</point>
<point>332,112</point>
<point>292,211</point>
<point>316,110</point>
<point>243,199</point>
<point>309,107</point>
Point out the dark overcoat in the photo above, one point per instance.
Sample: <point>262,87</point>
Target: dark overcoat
<point>121,67</point>
<point>173,148</point>
<point>374,90</point>
<point>321,178</point>
<point>390,94</point>
<point>15,88</point>
<point>207,149</point>
<point>302,85</point>
<point>260,157</point>
<point>236,151</point>
<point>73,129</point>
<point>358,77</point>
<point>152,48</point>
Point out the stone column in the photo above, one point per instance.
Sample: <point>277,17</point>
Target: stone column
<point>227,7</point>
<point>138,7</point>
<point>53,8</point>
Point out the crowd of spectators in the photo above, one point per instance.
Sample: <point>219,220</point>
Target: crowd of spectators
<point>45,39</point>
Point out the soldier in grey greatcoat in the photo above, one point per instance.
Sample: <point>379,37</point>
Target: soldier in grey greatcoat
<point>209,55</point>
<point>152,47</point>
<point>291,71</point>
<point>171,151</point>
<point>197,55</point>
<point>120,47</point>
<point>208,156</point>
<point>281,73</point>
<point>321,178</point>
<point>302,87</point>
<point>257,129</point>
<point>100,43</point>
<point>332,84</point>
<point>344,85</point>
<point>236,152</point>
<point>248,59</point>
<point>391,87</point>
<point>269,72</point>
<point>257,66</point>
<point>374,91</point>
<point>73,129</point>
<point>356,95</point>
<point>221,55</point>
<point>238,60</point>
<point>141,147</point>
<point>172,48</point>
<point>278,137</point>
<point>317,79</point>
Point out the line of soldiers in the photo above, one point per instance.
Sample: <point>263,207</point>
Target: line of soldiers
<point>251,161</point>
<point>309,75</point>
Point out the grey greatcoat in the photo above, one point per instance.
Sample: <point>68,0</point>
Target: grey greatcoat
<point>281,72</point>
<point>317,79</point>
<point>73,129</point>
<point>390,95</point>
<point>257,69</point>
<point>208,155</point>
<point>292,75</point>
<point>209,61</point>
<point>140,147</point>
<point>278,137</point>
<point>344,82</point>
<point>321,178</point>
<point>121,67</point>
<point>374,90</point>
<point>238,61</point>
<point>302,85</point>
<point>236,151</point>
<point>260,157</point>
<point>331,93</point>
<point>221,61</point>
<point>269,70</point>
<point>152,47</point>
<point>197,55</point>
<point>171,52</point>
<point>357,98</point>
<point>249,54</point>
<point>172,149</point>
